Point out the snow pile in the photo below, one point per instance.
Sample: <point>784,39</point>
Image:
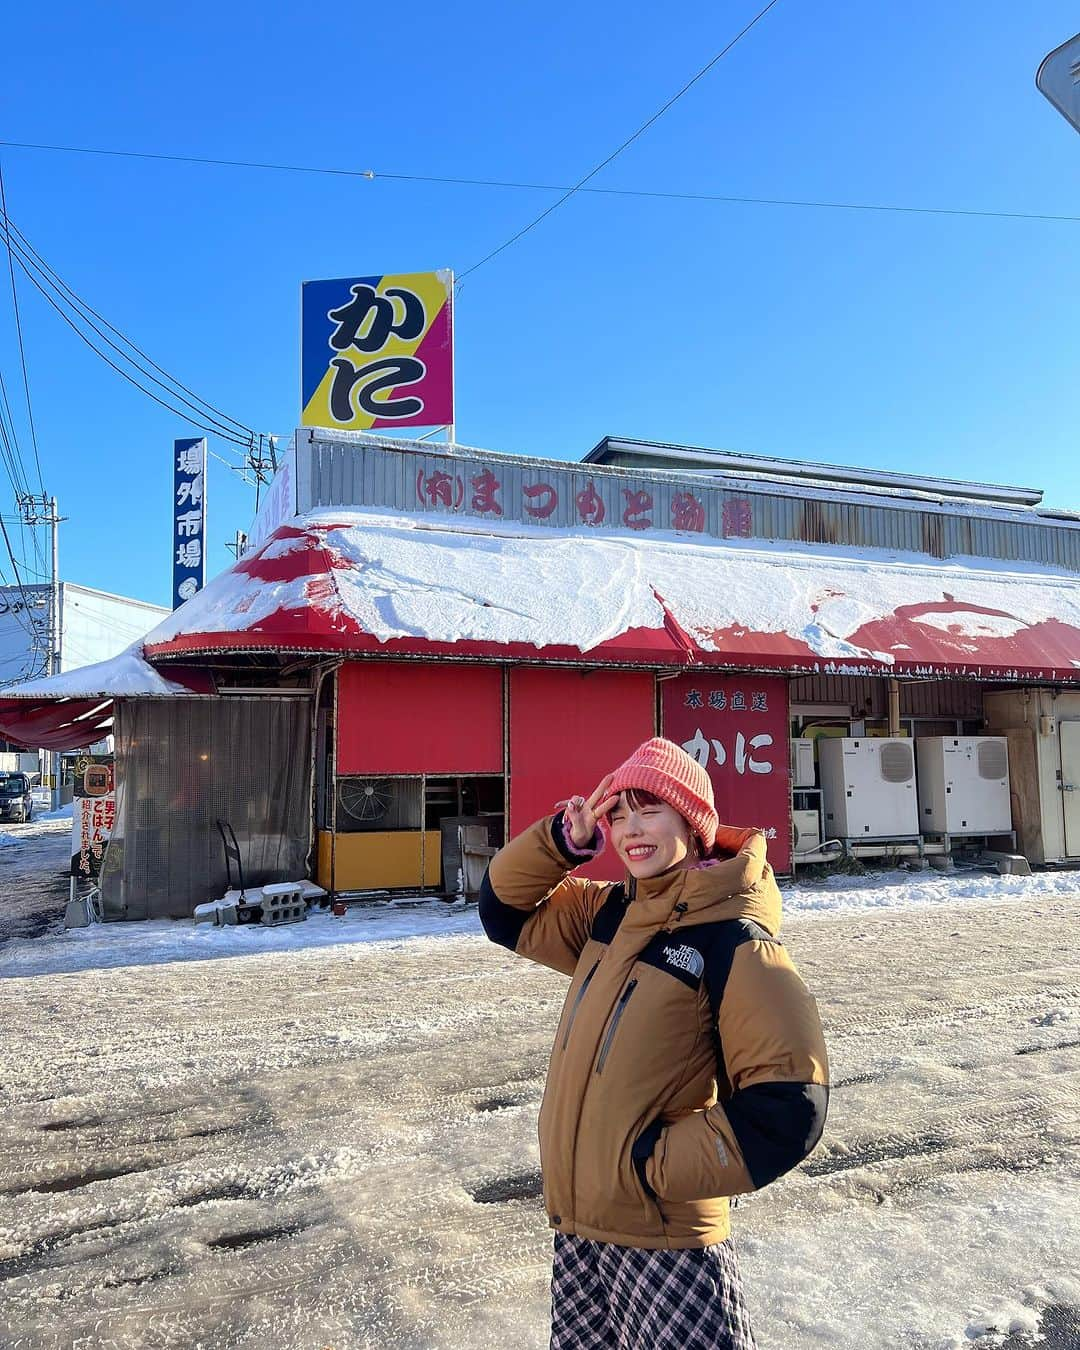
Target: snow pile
<point>120,676</point>
<point>898,889</point>
<point>477,581</point>
<point>156,941</point>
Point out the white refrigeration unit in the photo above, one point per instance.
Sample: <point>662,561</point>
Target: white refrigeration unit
<point>868,784</point>
<point>802,762</point>
<point>964,785</point>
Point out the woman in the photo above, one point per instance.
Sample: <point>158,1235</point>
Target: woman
<point>688,1065</point>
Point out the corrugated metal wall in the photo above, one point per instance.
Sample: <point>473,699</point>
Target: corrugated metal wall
<point>868,697</point>
<point>352,473</point>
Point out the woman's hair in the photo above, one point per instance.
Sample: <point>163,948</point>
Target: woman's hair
<point>637,797</point>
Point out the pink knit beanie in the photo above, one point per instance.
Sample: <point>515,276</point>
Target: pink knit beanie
<point>668,772</point>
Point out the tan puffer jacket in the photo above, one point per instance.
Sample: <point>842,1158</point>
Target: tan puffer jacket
<point>689,1063</point>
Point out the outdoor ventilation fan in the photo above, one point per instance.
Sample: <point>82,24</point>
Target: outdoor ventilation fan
<point>365,800</point>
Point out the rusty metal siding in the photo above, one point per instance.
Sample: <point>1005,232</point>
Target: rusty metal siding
<point>357,474</point>
<point>866,696</point>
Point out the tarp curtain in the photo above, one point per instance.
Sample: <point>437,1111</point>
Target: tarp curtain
<point>182,764</point>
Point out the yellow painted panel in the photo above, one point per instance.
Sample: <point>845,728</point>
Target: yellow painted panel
<point>326,848</point>
<point>385,860</point>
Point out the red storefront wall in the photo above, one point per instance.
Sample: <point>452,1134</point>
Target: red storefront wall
<point>567,729</point>
<point>401,718</point>
<point>737,726</point>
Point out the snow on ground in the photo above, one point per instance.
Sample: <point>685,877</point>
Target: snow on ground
<point>333,1143</point>
<point>122,944</point>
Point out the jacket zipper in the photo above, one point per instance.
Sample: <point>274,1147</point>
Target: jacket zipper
<point>580,996</point>
<point>619,1009</point>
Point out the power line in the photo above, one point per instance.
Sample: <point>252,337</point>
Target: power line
<point>40,280</point>
<point>33,631</point>
<point>191,159</point>
<point>18,330</point>
<point>198,421</point>
<point>615,153</point>
<point>505,184</point>
<point>9,443</point>
<point>88,309</point>
<point>13,461</point>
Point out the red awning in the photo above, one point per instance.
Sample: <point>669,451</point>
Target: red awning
<point>71,724</point>
<point>368,584</point>
<point>80,712</point>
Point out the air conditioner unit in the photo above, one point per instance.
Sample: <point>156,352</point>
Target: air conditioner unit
<point>802,762</point>
<point>964,785</point>
<point>868,787</point>
<point>807,831</point>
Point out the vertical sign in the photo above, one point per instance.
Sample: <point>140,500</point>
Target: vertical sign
<point>377,352</point>
<point>736,726</point>
<point>189,519</point>
<point>94,798</point>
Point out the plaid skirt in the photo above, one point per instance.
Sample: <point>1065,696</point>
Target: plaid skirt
<point>630,1298</point>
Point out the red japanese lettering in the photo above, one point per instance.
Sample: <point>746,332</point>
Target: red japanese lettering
<point>687,513</point>
<point>590,505</point>
<point>485,488</point>
<point>638,504</point>
<point>542,500</point>
<point>738,518</point>
<point>439,489</point>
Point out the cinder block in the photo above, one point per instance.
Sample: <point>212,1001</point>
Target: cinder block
<point>283,902</point>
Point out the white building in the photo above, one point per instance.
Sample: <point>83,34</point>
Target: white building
<point>94,625</point>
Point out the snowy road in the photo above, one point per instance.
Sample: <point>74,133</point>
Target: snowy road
<point>336,1146</point>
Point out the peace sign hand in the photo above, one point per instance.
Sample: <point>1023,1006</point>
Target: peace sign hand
<point>582,815</point>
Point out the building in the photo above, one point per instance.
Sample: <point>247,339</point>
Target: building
<point>93,625</point>
<point>427,647</point>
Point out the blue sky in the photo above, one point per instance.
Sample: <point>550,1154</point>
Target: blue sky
<point>934,344</point>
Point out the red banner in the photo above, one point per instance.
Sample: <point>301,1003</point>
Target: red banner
<point>737,727</point>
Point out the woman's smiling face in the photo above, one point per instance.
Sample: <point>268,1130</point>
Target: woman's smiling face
<point>649,835</point>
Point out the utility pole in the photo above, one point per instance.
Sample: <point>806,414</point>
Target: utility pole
<point>237,546</point>
<point>41,510</point>
<point>261,461</point>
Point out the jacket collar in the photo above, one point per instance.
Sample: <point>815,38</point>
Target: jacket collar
<point>688,895</point>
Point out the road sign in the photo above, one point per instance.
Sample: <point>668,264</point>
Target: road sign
<point>1059,79</point>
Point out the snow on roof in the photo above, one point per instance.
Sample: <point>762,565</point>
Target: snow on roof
<point>125,675</point>
<point>727,463</point>
<point>340,580</point>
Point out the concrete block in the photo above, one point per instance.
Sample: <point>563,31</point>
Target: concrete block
<point>1013,865</point>
<point>283,902</point>
<point>77,914</point>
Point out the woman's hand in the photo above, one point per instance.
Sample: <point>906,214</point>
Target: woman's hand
<point>583,814</point>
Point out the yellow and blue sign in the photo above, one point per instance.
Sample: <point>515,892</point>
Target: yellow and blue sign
<point>377,352</point>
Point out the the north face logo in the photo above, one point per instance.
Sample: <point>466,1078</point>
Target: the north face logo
<point>685,958</point>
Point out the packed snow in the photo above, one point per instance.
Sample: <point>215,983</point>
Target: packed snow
<point>326,1135</point>
<point>127,675</point>
<point>483,581</point>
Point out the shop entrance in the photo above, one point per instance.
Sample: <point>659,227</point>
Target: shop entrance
<point>404,832</point>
